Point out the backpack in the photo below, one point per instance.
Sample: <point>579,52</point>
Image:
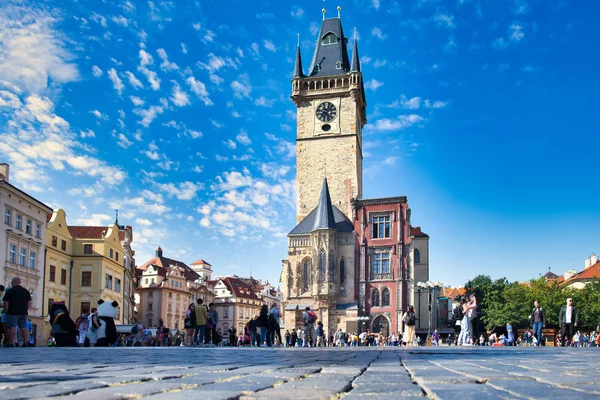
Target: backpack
<point>457,313</point>
<point>135,329</point>
<point>411,319</point>
<point>312,317</point>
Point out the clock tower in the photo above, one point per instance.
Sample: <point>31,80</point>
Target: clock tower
<point>331,112</point>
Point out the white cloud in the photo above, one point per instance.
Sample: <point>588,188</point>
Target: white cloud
<point>243,138</point>
<point>178,97</point>
<point>95,220</point>
<point>263,102</point>
<point>199,90</point>
<point>166,65</point>
<point>378,33</point>
<point>153,80</point>
<point>365,59</point>
<point>230,144</point>
<point>390,160</point>
<point>412,103</point>
<point>297,12</point>
<point>269,45</point>
<point>373,84</point>
<point>145,58</point>
<point>184,49</point>
<point>143,222</point>
<point>117,83</point>
<point>32,52</point>
<point>516,32</point>
<point>121,20</point>
<point>435,104</point>
<point>241,87</point>
<point>444,20</point>
<point>255,48</point>
<point>530,68</point>
<point>182,191</point>
<point>87,134</point>
<point>375,4</point>
<point>314,28</point>
<point>148,115</point>
<point>401,122</point>
<point>123,141</point>
<point>96,71</point>
<point>379,63</point>
<point>136,101</point>
<point>133,81</point>
<point>98,114</point>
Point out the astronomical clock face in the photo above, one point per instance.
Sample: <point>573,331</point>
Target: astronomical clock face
<point>326,112</point>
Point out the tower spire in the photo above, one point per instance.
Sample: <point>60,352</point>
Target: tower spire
<point>117,217</point>
<point>324,218</point>
<point>355,59</point>
<point>298,65</point>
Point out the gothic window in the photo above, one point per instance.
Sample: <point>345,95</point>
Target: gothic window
<point>342,271</point>
<point>375,298</point>
<point>331,267</point>
<point>385,298</point>
<point>322,266</point>
<point>381,325</point>
<point>381,227</point>
<point>417,256</point>
<point>306,275</point>
<point>330,38</point>
<point>381,263</point>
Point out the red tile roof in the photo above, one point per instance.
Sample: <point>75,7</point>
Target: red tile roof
<point>550,275</point>
<point>239,288</point>
<point>201,261</point>
<point>163,263</point>
<point>451,293</point>
<point>415,231</point>
<point>87,232</point>
<point>591,272</point>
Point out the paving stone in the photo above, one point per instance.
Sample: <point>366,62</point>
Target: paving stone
<point>533,389</point>
<point>465,392</point>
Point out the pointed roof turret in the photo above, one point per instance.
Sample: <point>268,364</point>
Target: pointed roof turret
<point>331,53</point>
<point>324,218</point>
<point>298,65</point>
<point>355,59</point>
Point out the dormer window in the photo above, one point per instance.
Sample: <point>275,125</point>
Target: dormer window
<point>338,65</point>
<point>330,38</point>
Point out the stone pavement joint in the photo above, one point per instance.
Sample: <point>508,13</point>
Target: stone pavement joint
<point>279,373</point>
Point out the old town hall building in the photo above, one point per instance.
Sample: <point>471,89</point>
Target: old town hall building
<point>354,261</point>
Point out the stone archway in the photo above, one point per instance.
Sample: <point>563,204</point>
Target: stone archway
<point>381,325</point>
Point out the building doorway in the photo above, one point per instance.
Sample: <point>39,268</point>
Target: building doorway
<point>381,325</point>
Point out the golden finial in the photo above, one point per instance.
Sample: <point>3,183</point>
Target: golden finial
<point>354,33</point>
<point>339,9</point>
<point>298,40</point>
<point>323,11</point>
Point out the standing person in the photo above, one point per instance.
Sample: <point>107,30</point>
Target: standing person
<point>293,338</point>
<point>201,317</point>
<point>474,315</point>
<point>410,319</point>
<point>510,335</point>
<point>82,327</point>
<point>274,323</point>
<point>189,323</point>
<point>320,335</point>
<point>263,322</point>
<point>17,301</point>
<point>253,325</point>
<point>213,317</point>
<point>287,338</point>
<point>464,338</point>
<point>568,319</point>
<point>93,325</point>
<point>309,327</point>
<point>299,336</point>
<point>537,319</point>
<point>2,316</point>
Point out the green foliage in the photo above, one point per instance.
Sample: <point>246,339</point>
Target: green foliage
<point>502,301</point>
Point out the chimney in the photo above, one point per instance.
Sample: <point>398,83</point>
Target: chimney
<point>593,259</point>
<point>4,171</point>
<point>159,252</point>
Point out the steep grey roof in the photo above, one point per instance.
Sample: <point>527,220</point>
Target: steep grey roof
<point>324,218</point>
<point>355,58</point>
<point>298,65</point>
<point>327,55</point>
<point>342,224</point>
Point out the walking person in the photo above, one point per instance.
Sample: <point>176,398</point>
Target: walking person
<point>309,327</point>
<point>93,324</point>
<point>82,326</point>
<point>568,319</point>
<point>17,302</point>
<point>201,317</point>
<point>537,319</point>
<point>253,325</point>
<point>410,319</point>
<point>320,335</point>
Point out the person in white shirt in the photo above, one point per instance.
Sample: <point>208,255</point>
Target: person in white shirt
<point>568,319</point>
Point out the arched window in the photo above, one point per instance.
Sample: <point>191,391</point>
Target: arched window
<point>323,266</point>
<point>306,275</point>
<point>331,267</point>
<point>381,325</point>
<point>342,271</point>
<point>330,38</point>
<point>375,298</point>
<point>385,298</point>
<point>417,256</point>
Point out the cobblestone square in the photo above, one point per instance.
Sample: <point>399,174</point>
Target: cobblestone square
<point>284,373</point>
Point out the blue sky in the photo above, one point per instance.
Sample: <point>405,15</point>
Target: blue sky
<point>483,113</point>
